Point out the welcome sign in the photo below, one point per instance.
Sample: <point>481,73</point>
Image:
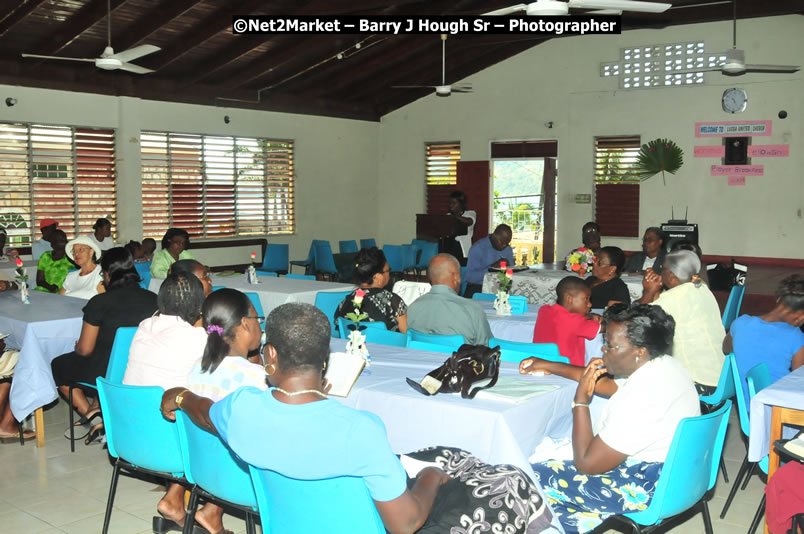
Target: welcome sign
<point>732,128</point>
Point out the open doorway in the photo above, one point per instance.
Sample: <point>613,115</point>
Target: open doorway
<point>525,199</point>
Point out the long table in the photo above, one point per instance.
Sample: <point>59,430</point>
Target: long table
<point>539,285</point>
<point>47,327</point>
<point>273,291</point>
<point>780,403</point>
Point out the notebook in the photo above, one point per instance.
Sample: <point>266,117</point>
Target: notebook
<point>515,389</point>
<point>343,370</point>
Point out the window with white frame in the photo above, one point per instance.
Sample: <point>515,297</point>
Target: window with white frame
<point>66,173</point>
<point>662,65</point>
<point>216,186</point>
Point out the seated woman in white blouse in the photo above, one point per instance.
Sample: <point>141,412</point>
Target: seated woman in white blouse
<point>87,281</point>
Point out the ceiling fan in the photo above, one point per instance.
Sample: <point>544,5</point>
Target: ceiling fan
<point>443,89</point>
<point>735,58</point>
<point>604,7</point>
<point>108,60</point>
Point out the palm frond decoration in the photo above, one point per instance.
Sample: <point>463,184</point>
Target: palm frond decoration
<point>659,156</point>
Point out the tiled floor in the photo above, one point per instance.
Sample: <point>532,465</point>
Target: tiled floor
<point>50,490</point>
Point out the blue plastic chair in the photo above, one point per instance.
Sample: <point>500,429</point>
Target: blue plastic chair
<point>368,243</point>
<point>688,474</point>
<point>545,351</point>
<point>268,273</point>
<point>215,288</point>
<point>746,468</point>
<point>300,276</point>
<point>758,378</point>
<point>484,296</point>
<point>309,262</point>
<point>723,392</point>
<point>255,301</point>
<point>347,247</point>
<point>343,326</point>
<point>395,257</point>
<point>385,337</point>
<point>519,304</point>
<point>408,257</point>
<point>425,251</point>
<point>451,341</point>
<point>327,302</point>
<point>733,305</point>
<point>324,260</point>
<point>464,283</point>
<point>144,270</point>
<point>215,472</point>
<point>335,505</point>
<point>139,439</point>
<point>116,369</point>
<point>275,259</point>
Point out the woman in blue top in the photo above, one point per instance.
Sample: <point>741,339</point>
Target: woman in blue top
<point>774,337</point>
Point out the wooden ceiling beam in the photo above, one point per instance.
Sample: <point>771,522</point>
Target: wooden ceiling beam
<point>70,30</point>
<point>161,15</point>
<point>15,14</point>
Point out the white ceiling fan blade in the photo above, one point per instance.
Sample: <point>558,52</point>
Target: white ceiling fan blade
<point>623,5</point>
<point>506,10</point>
<point>57,57</point>
<point>136,69</point>
<point>604,12</point>
<point>772,68</point>
<point>137,52</point>
<point>461,89</point>
<point>414,86</point>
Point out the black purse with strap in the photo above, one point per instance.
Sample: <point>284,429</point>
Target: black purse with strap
<point>468,365</point>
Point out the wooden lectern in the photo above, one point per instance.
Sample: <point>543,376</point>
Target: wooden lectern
<point>441,229</point>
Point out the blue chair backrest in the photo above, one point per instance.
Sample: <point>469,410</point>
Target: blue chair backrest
<point>426,251</point>
<point>144,270</point>
<point>732,309</point>
<point>215,288</point>
<point>327,302</point>
<point>463,280</point>
<point>484,296</point>
<point>725,386</point>
<point>300,276</point>
<point>368,243</point>
<point>385,337</point>
<point>255,301</point>
<point>347,247</point>
<point>344,330</point>
<point>516,356</point>
<point>408,256</point>
<point>690,469</point>
<point>336,505</point>
<point>742,402</point>
<point>430,347</point>
<point>267,273</point>
<point>545,351</point>
<point>209,463</point>
<point>451,341</point>
<point>324,261</point>
<point>758,378</point>
<point>118,358</point>
<point>395,258</point>
<point>276,257</point>
<point>136,430</point>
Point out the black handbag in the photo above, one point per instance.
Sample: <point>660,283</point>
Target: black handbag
<point>468,365</point>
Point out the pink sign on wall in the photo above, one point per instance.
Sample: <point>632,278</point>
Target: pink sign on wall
<point>717,151</point>
<point>768,151</point>
<point>736,180</point>
<point>738,170</point>
<point>732,128</point>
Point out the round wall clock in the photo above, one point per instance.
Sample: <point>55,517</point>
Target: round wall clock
<point>734,100</point>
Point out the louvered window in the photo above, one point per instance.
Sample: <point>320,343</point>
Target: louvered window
<point>617,185</point>
<point>441,174</point>
<point>215,186</point>
<point>59,172</point>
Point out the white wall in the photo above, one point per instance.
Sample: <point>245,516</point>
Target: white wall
<point>558,81</point>
<point>336,162</point>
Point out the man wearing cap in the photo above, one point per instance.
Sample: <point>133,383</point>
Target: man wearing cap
<point>41,246</point>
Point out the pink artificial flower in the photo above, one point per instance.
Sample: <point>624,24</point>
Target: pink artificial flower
<point>509,273</point>
<point>253,255</point>
<point>503,264</point>
<point>18,261</point>
<point>359,294</point>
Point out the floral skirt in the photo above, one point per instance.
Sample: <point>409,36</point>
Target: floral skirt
<point>482,497</point>
<point>581,502</point>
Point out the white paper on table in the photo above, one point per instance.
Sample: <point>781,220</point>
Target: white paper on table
<point>514,389</point>
<point>342,372</point>
<point>552,449</point>
<point>414,466</point>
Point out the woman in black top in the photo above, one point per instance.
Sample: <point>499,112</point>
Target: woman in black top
<point>607,286</point>
<point>124,303</point>
<point>379,304</point>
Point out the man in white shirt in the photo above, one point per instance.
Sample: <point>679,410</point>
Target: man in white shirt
<point>40,246</point>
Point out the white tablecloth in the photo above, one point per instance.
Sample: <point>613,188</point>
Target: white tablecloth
<point>539,285</point>
<point>47,327</point>
<point>273,291</point>
<point>9,269</point>
<point>788,392</point>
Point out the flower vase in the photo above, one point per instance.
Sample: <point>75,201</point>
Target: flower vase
<point>24,298</point>
<point>501,304</point>
<point>251,275</point>
<point>356,345</point>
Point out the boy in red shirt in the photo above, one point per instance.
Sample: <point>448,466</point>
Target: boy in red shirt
<point>565,323</point>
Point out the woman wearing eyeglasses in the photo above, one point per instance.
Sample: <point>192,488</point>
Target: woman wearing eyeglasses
<point>378,303</point>
<point>616,463</point>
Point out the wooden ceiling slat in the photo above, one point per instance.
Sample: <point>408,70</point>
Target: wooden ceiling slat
<point>16,13</point>
<point>153,20</point>
<point>67,32</point>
